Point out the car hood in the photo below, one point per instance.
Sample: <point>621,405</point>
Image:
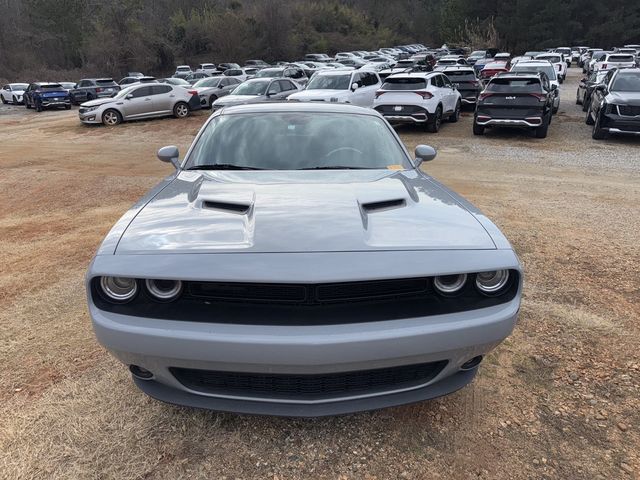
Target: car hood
<point>624,98</point>
<point>302,211</point>
<point>318,94</point>
<point>237,100</point>
<point>99,101</point>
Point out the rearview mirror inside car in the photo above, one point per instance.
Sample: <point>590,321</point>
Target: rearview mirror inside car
<point>170,154</point>
<point>425,153</point>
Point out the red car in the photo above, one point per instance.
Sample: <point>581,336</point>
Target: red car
<point>492,69</point>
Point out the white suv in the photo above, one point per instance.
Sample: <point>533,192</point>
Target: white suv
<point>615,60</point>
<point>341,86</point>
<point>424,98</point>
<point>558,62</point>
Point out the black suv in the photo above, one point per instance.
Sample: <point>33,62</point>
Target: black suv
<point>515,100</point>
<point>467,83</point>
<point>92,88</point>
<point>615,104</point>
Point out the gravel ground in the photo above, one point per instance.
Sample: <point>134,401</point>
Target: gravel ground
<point>559,399</point>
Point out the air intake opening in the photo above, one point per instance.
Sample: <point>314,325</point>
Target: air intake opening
<point>238,208</point>
<point>383,205</point>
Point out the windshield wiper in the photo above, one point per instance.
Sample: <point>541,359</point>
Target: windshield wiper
<point>335,167</point>
<point>223,166</point>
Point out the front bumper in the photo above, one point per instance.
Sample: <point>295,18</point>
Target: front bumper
<point>406,114</point>
<point>621,124</point>
<point>92,117</point>
<point>159,345</point>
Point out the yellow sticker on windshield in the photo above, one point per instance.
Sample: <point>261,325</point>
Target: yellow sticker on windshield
<point>395,167</point>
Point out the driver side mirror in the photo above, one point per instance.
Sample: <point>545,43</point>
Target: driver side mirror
<point>456,86</point>
<point>354,86</point>
<point>129,96</point>
<point>424,153</point>
<point>601,88</point>
<point>170,154</point>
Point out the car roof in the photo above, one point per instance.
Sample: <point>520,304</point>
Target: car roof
<point>534,63</point>
<point>537,75</point>
<point>414,75</point>
<point>302,107</point>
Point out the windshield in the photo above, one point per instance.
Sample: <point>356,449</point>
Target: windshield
<point>460,75</point>
<point>329,82</point>
<point>183,69</point>
<point>298,140</point>
<point>404,83</point>
<point>105,82</point>
<point>270,72</point>
<point>19,86</point>
<point>207,82</point>
<point>547,69</point>
<point>621,58</point>
<point>478,53</point>
<point>626,82</point>
<point>514,85</point>
<point>252,88</point>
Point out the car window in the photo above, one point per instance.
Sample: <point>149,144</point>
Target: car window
<point>286,85</point>
<point>274,88</point>
<point>514,85</point>
<point>437,81</point>
<point>626,82</point>
<point>160,89</point>
<point>446,82</point>
<point>298,140</point>
<point>331,82</point>
<point>404,83</point>
<point>141,92</point>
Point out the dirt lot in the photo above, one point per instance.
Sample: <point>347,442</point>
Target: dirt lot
<point>559,399</point>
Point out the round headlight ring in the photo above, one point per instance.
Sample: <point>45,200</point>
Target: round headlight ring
<point>450,284</point>
<point>164,290</point>
<point>493,282</point>
<point>119,289</point>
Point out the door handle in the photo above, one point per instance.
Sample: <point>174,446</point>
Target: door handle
<point>172,95</point>
<point>147,99</point>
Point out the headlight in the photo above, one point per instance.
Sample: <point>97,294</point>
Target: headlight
<point>89,109</point>
<point>164,290</point>
<point>449,284</point>
<point>119,289</point>
<point>491,283</point>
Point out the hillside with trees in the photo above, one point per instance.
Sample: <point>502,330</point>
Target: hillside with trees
<point>41,38</point>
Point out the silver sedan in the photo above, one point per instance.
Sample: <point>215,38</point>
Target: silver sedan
<point>145,100</point>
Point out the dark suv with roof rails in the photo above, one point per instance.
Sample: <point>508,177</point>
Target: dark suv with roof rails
<point>615,104</point>
<point>515,100</point>
<point>89,89</point>
<point>466,81</point>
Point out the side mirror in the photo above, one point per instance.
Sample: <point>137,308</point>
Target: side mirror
<point>601,88</point>
<point>554,86</point>
<point>170,154</point>
<point>354,86</point>
<point>129,97</point>
<point>425,153</point>
<point>456,86</point>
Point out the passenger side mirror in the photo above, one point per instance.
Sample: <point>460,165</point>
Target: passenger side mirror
<point>354,86</point>
<point>456,86</point>
<point>129,96</point>
<point>170,154</point>
<point>424,153</point>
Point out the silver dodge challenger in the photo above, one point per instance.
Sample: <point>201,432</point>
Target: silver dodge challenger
<point>299,263</point>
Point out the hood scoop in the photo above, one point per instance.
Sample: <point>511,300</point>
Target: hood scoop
<point>237,208</point>
<point>381,206</point>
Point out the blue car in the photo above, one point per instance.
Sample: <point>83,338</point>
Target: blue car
<point>43,95</point>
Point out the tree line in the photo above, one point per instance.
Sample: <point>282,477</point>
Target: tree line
<point>91,37</point>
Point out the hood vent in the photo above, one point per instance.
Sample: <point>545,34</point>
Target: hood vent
<point>383,205</point>
<point>238,208</point>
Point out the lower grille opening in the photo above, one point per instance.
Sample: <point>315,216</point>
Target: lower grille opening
<point>307,387</point>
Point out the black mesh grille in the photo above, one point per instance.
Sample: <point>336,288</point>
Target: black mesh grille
<point>629,110</point>
<point>311,294</point>
<point>307,387</point>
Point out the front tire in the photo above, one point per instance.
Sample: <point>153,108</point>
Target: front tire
<point>588,119</point>
<point>4,100</point>
<point>598,133</point>
<point>111,118</point>
<point>455,116</point>
<point>433,126</point>
<point>181,110</point>
<point>26,103</point>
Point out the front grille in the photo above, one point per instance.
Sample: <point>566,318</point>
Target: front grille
<point>310,294</point>
<point>307,387</point>
<point>628,110</point>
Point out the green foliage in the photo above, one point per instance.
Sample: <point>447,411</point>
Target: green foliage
<point>112,37</point>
